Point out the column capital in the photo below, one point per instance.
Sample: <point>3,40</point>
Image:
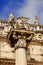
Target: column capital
<point>21,43</point>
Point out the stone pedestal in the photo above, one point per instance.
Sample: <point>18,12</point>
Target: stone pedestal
<point>21,52</point>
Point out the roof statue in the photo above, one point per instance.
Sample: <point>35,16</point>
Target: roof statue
<point>11,20</point>
<point>36,20</point>
<point>11,17</point>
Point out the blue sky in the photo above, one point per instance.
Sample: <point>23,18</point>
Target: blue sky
<point>27,8</point>
<point>8,6</point>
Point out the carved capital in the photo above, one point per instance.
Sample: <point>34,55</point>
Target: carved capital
<point>21,44</point>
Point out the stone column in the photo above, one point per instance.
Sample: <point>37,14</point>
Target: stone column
<point>20,50</point>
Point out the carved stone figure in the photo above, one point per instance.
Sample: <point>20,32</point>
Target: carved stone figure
<point>21,43</point>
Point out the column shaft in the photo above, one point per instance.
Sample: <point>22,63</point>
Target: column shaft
<point>21,56</point>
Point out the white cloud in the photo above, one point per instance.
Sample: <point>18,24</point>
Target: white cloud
<point>32,8</point>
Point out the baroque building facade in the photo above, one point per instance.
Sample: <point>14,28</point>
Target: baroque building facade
<point>21,43</point>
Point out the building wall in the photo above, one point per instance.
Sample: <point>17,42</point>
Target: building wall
<point>35,52</point>
<point>6,51</point>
